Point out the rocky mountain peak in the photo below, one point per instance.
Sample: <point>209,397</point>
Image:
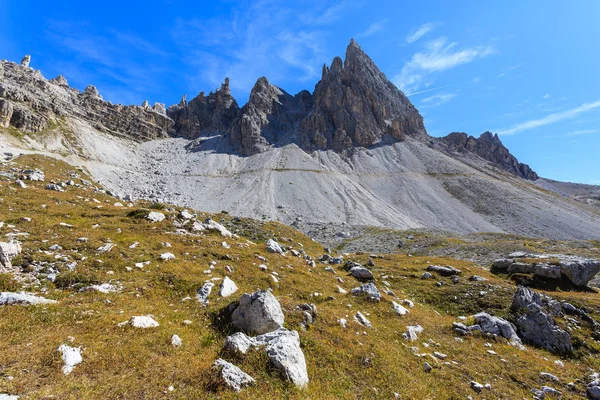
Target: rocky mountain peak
<point>356,105</point>
<point>490,147</point>
<point>270,117</point>
<point>205,114</point>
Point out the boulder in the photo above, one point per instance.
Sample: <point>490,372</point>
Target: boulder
<point>232,375</point>
<point>176,341</point>
<point>8,250</point>
<point>143,322</point>
<point>9,298</point>
<point>204,292</point>
<point>498,326</point>
<point>581,271</point>
<point>412,332</point>
<point>535,325</point>
<point>240,343</point>
<point>369,290</point>
<point>258,313</point>
<point>155,216</point>
<point>361,273</point>
<point>274,247</point>
<point>398,309</point>
<point>427,275</point>
<point>283,349</point>
<point>228,287</point>
<point>445,270</point>
<point>215,226</point>
<point>71,356</point>
<point>501,265</point>
<point>361,319</point>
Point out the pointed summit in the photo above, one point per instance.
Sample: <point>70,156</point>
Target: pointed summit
<point>356,105</point>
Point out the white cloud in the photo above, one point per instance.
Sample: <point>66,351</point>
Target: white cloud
<point>582,132</point>
<point>373,28</point>
<point>550,119</point>
<point>437,99</point>
<point>420,32</point>
<point>547,96</point>
<point>439,55</point>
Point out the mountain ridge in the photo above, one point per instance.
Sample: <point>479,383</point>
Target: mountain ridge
<point>269,160</point>
<point>353,105</point>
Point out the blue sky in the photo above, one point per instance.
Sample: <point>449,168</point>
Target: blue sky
<point>525,69</point>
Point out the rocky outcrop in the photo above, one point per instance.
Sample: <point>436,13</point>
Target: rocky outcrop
<point>356,105</point>
<point>489,147</point>
<point>25,61</point>
<point>212,114</point>
<point>258,313</point>
<point>535,325</point>
<point>574,270</point>
<point>270,117</point>
<point>38,105</point>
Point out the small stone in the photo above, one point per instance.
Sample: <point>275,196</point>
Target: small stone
<point>71,356</point>
<point>143,322</point>
<point>477,387</point>
<point>176,341</point>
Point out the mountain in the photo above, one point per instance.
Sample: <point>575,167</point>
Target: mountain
<point>355,151</point>
<point>489,147</point>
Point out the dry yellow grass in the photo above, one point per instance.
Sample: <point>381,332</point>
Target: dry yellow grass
<point>356,362</point>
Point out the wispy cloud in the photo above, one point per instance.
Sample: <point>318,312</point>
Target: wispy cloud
<point>437,100</point>
<point>244,47</point>
<point>374,28</point>
<point>109,58</point>
<point>550,119</point>
<point>439,55</point>
<point>420,32</point>
<point>582,132</point>
<point>330,14</point>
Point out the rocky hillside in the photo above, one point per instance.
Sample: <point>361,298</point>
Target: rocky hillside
<point>489,147</point>
<point>32,104</point>
<point>353,152</point>
<point>108,298</point>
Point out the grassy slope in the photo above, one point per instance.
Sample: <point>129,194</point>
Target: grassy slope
<point>124,363</point>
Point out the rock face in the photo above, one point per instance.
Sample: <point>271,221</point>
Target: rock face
<point>8,250</point>
<point>489,147</point>
<point>258,313</point>
<point>6,112</point>
<point>271,116</point>
<point>356,105</point>
<point>25,61</point>
<point>39,104</point>
<point>212,114</point>
<point>535,325</point>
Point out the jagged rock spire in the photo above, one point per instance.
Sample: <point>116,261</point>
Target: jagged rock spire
<point>356,105</point>
<point>25,61</point>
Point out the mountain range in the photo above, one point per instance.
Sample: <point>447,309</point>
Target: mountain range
<point>355,151</point>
